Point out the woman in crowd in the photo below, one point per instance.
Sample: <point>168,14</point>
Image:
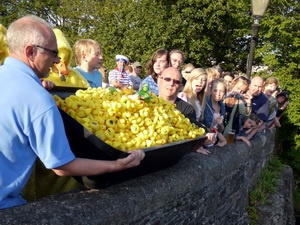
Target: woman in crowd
<point>194,90</point>
<point>237,104</point>
<point>228,78</point>
<point>211,76</point>
<point>214,110</point>
<point>186,70</point>
<point>159,61</point>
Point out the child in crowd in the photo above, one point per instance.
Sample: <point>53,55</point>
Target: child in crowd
<point>250,127</point>
<point>270,87</point>
<point>128,70</point>
<point>194,90</point>
<point>88,58</point>
<point>283,101</point>
<point>214,110</point>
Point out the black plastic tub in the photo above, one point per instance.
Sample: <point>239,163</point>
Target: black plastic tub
<point>85,144</point>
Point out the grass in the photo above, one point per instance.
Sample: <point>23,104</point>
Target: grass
<point>266,185</point>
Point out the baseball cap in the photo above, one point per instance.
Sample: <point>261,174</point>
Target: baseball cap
<point>137,64</point>
<point>284,94</point>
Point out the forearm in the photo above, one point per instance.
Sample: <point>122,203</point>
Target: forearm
<point>241,138</point>
<point>86,167</point>
<point>248,108</point>
<point>252,133</point>
<point>221,137</point>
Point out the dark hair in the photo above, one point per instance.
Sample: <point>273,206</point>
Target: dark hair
<point>252,116</point>
<point>157,54</point>
<point>228,73</point>
<point>284,94</point>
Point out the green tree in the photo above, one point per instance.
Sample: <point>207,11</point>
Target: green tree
<point>205,30</point>
<point>279,49</point>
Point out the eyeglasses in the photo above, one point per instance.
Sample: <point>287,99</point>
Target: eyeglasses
<point>168,79</point>
<point>245,79</point>
<point>53,52</point>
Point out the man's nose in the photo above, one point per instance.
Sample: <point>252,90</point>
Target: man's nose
<point>56,59</point>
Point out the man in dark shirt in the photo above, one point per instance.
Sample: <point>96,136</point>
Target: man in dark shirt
<point>169,84</point>
<point>260,103</point>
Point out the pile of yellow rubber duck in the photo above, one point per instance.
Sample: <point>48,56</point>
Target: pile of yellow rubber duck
<point>127,122</point>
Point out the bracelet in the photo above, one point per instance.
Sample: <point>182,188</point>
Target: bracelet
<point>248,106</point>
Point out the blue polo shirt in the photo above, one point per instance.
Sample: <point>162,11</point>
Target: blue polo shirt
<point>30,126</point>
<point>94,79</point>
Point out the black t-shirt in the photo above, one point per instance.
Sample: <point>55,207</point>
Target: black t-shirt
<point>189,111</point>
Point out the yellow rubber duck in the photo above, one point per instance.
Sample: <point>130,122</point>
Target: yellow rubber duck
<point>4,52</point>
<point>61,73</point>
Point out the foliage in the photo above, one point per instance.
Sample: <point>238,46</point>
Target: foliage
<point>266,186</point>
<point>279,49</point>
<point>205,31</point>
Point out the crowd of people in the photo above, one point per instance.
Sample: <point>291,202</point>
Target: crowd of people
<point>32,127</point>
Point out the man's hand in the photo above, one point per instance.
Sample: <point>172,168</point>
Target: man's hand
<point>131,160</point>
<point>48,85</point>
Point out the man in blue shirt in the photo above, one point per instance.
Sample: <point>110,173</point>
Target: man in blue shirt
<point>30,123</point>
<point>259,103</point>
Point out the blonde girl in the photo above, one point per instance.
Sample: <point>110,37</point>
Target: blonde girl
<point>194,90</point>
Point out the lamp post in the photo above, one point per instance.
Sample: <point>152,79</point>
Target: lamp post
<point>258,10</point>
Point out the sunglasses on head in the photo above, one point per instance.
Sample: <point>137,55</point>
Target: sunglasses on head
<point>245,78</point>
<point>168,79</point>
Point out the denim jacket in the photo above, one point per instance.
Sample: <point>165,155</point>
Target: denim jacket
<point>209,111</point>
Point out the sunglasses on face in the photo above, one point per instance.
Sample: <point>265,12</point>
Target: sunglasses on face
<point>168,79</point>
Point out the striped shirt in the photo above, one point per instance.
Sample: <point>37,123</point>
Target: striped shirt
<point>123,77</point>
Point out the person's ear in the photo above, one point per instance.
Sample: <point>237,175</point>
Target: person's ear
<point>30,52</point>
<point>83,56</point>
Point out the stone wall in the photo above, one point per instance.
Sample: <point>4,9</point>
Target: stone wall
<point>198,189</point>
